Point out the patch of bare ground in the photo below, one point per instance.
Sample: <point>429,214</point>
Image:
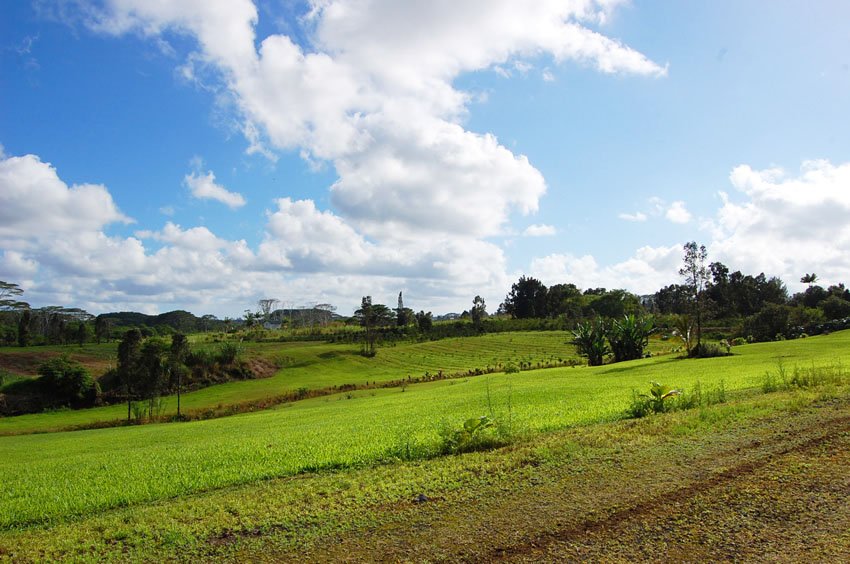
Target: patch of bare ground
<point>771,489</point>
<point>26,363</point>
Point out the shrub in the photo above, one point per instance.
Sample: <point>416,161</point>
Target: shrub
<point>66,382</point>
<point>629,337</point>
<point>511,368</point>
<point>471,436</point>
<point>228,353</point>
<point>589,340</point>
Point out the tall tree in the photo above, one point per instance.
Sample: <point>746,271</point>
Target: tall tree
<point>102,325</point>
<point>526,299</point>
<point>24,328</point>
<point>402,313</point>
<point>478,313</point>
<point>372,316</point>
<point>695,272</point>
<point>424,321</point>
<point>8,293</point>
<point>129,364</point>
<point>267,306</point>
<point>176,361</point>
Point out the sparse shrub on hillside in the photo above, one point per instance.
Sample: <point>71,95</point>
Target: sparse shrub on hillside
<point>228,353</point>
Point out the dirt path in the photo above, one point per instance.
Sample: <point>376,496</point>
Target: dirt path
<point>774,489</point>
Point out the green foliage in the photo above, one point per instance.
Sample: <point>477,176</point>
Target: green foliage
<point>470,436</point>
<point>803,378</point>
<point>424,321</point>
<point>511,368</point>
<point>228,353</point>
<point>662,399</point>
<point>589,340</point>
<point>629,337</point>
<point>66,382</point>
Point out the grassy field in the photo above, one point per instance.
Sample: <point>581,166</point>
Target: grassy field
<point>320,365</point>
<point>87,472</point>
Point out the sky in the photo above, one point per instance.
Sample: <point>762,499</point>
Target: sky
<point>204,154</point>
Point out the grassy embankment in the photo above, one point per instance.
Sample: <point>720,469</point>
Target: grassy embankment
<point>51,478</point>
<point>316,366</point>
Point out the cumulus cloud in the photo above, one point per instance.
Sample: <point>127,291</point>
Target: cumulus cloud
<point>370,91</point>
<point>678,213</point>
<point>787,225</point>
<point>648,270</point>
<point>539,230</point>
<point>374,95</point>
<point>203,187</point>
<point>637,216</point>
<point>34,200</point>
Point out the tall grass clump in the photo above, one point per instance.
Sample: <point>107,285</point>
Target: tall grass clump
<point>802,378</point>
<point>662,398</point>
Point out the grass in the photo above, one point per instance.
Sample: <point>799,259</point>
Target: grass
<point>564,479</point>
<point>83,473</point>
<point>314,366</point>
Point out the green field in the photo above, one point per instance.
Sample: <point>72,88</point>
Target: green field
<point>320,365</point>
<point>52,477</point>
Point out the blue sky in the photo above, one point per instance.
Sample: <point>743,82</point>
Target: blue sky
<point>202,155</point>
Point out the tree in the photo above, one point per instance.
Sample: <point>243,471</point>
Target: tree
<point>526,299</point>
<point>102,325</point>
<point>695,273</point>
<point>478,313</point>
<point>267,306</point>
<point>81,334</point>
<point>424,321</point>
<point>8,293</point>
<point>371,316</point>
<point>809,278</point>
<point>24,328</point>
<point>402,313</point>
<point>129,363</point>
<point>66,382</point>
<point>152,373</point>
<point>176,361</point>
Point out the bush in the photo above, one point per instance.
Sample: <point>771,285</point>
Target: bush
<point>228,353</point>
<point>471,436</point>
<point>66,382</point>
<point>705,350</point>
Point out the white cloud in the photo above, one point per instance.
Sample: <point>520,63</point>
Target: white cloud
<point>547,75</point>
<point>539,230</point>
<point>203,187</point>
<point>637,216</point>
<point>34,200</point>
<point>678,213</point>
<point>648,270</point>
<point>374,95</point>
<point>787,225</point>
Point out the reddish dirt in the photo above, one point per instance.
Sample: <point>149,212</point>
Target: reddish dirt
<point>26,363</point>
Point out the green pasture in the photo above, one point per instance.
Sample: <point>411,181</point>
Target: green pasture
<point>52,477</point>
<point>316,365</point>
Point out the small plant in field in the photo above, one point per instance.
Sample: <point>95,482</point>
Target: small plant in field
<point>511,368</point>
<point>653,402</point>
<point>470,436</point>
